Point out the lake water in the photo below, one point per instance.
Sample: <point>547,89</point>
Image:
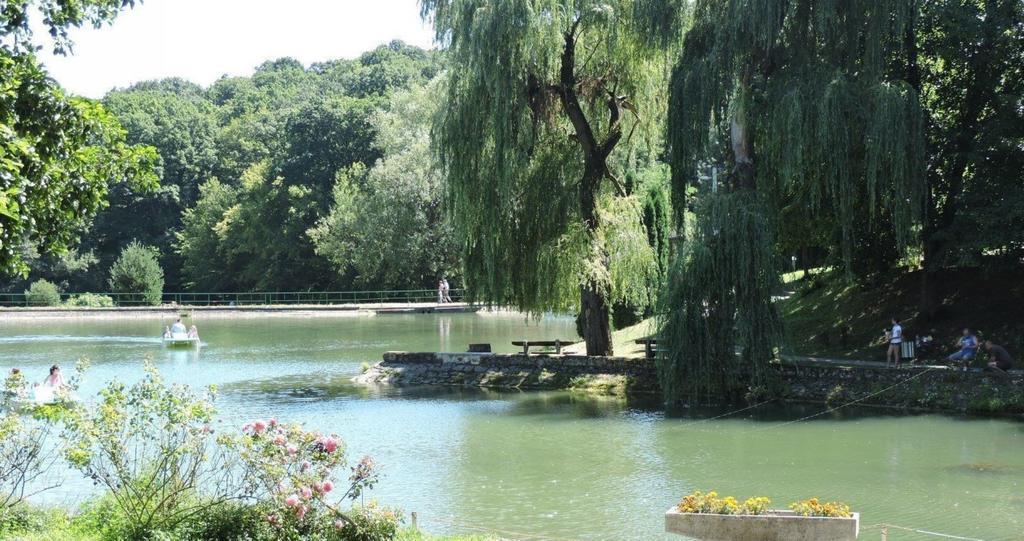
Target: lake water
<point>553,465</point>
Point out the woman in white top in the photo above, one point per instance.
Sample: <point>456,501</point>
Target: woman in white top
<point>895,337</point>
<point>49,390</point>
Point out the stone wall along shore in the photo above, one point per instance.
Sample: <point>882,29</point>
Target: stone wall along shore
<point>833,383</point>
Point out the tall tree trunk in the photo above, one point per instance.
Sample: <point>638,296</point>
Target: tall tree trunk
<point>594,306</point>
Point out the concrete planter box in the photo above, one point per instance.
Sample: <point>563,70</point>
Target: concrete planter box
<point>774,526</point>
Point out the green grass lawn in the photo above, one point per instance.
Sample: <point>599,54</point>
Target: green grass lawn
<point>623,340</point>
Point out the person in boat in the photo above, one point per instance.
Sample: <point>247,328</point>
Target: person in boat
<point>55,380</point>
<point>178,327</point>
<point>167,332</point>
<point>193,333</point>
<point>51,388</point>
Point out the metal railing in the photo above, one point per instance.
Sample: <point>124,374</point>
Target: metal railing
<point>261,298</point>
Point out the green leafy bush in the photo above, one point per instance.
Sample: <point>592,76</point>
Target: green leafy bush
<point>93,300</point>
<point>25,455</point>
<point>150,445</point>
<point>138,271</point>
<point>42,293</point>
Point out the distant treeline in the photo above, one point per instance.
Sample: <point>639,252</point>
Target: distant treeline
<point>294,178</point>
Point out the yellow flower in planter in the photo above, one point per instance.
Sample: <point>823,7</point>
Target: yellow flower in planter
<point>756,506</point>
<point>813,508</point>
<point>710,503</point>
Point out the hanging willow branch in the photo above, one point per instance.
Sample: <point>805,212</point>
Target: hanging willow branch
<point>542,94</point>
<point>721,325</point>
<point>799,100</point>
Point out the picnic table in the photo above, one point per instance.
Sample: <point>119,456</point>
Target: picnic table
<point>650,346</point>
<point>527,344</point>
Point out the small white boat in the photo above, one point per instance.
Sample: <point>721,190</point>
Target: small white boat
<point>45,394</point>
<point>181,340</point>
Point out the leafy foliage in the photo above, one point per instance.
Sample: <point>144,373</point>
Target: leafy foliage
<point>57,154</point>
<point>26,449</point>
<point>152,447</point>
<point>970,55</point>
<point>92,300</point>
<point>42,293</point>
<point>719,301</point>
<point>138,271</point>
<point>800,101</point>
<point>539,96</point>
<point>386,223</point>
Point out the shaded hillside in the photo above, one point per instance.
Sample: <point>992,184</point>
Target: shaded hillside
<point>990,302</point>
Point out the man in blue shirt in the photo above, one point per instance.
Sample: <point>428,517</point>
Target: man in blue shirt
<point>968,348</point>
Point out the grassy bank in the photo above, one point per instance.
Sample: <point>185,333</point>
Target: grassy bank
<point>623,341</point>
<point>824,307</point>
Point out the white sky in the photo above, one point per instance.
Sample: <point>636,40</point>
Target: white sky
<point>200,40</point>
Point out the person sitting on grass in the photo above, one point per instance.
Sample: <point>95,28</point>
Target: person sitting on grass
<point>1000,358</point>
<point>968,348</point>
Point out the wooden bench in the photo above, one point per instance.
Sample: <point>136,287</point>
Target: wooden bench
<point>527,344</point>
<point>650,346</point>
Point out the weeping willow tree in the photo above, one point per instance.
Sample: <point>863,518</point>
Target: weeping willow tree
<point>803,102</point>
<point>543,96</point>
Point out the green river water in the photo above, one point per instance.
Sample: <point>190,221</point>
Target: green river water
<point>552,464</point>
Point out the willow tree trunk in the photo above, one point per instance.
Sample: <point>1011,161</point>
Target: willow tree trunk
<point>594,306</point>
<point>594,309</point>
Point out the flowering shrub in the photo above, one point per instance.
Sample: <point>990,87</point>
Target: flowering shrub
<point>25,455</point>
<point>293,474</point>
<point>152,447</point>
<point>698,502</point>
<point>813,508</point>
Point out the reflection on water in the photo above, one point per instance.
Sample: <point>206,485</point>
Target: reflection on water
<point>554,463</point>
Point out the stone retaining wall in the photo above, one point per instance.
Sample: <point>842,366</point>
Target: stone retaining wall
<point>606,374</point>
<point>834,383</point>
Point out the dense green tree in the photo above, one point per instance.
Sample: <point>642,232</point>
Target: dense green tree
<point>137,271</point>
<point>324,137</point>
<point>386,224</point>
<point>795,98</point>
<point>203,252</point>
<point>176,118</point>
<point>261,241</point>
<point>966,58</point>
<point>57,154</point>
<point>540,96</point>
<point>179,121</point>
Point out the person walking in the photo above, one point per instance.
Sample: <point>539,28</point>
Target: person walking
<point>446,289</point>
<point>895,337</point>
<point>440,291</point>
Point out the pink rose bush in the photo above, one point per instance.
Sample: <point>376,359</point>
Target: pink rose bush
<point>293,473</point>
